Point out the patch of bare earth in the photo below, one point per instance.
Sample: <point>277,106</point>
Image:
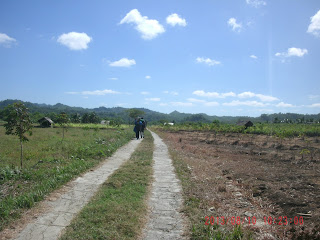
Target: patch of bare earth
<point>255,176</point>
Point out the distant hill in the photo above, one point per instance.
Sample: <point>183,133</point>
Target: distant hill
<point>38,110</point>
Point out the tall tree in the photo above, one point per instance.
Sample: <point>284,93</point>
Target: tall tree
<point>76,118</point>
<point>93,118</point>
<point>85,118</point>
<point>63,120</point>
<point>18,123</point>
<point>134,113</point>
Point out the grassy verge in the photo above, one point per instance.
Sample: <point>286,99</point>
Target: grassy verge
<point>97,126</point>
<point>117,210</point>
<point>49,163</point>
<point>195,208</point>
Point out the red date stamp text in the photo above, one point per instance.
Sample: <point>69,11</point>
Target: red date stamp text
<point>282,220</point>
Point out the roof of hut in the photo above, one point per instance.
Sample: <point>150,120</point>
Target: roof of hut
<point>45,119</point>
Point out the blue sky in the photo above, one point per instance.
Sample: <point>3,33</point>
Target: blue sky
<point>227,57</point>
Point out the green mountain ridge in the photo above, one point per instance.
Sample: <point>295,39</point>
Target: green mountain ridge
<point>38,110</point>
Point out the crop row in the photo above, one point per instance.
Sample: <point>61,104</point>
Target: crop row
<point>282,130</point>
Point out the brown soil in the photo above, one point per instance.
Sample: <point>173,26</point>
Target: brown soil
<point>254,176</point>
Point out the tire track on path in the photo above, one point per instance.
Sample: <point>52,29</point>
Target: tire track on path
<point>77,194</point>
<point>164,220</point>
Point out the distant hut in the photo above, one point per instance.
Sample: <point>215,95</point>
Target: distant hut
<point>105,122</point>
<point>245,123</point>
<point>45,122</point>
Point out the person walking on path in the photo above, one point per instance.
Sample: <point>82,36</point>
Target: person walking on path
<point>137,127</point>
<point>143,126</point>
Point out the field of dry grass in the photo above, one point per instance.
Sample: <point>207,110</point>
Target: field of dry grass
<point>253,176</point>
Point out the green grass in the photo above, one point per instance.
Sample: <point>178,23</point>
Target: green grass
<point>118,209</point>
<point>280,130</point>
<point>96,125</point>
<point>194,207</point>
<point>49,163</point>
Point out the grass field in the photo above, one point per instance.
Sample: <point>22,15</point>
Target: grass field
<point>96,126</point>
<point>282,130</point>
<point>118,209</point>
<point>49,162</point>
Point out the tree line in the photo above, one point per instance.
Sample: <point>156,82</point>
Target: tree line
<point>120,115</point>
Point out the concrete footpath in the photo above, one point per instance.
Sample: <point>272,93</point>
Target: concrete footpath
<point>77,194</point>
<point>164,220</point>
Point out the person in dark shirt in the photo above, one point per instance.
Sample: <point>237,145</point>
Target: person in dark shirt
<point>137,127</point>
<point>143,126</point>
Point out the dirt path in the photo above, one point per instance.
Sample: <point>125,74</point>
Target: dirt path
<point>77,194</point>
<point>164,220</point>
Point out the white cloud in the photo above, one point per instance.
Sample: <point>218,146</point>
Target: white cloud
<point>297,52</point>
<point>211,104</point>
<point>254,56</point>
<point>205,103</point>
<point>175,19</point>
<point>172,93</point>
<point>264,98</point>
<point>236,27</point>
<point>182,104</point>
<point>250,23</point>
<point>149,28</point>
<point>75,40</point>
<point>256,3</point>
<point>113,78</point>
<point>194,100</point>
<point>282,104</point>
<point>207,61</point>
<point>99,92</point>
<point>246,95</point>
<point>163,104</point>
<point>148,77</point>
<point>245,103</point>
<point>202,93</point>
<point>314,27</point>
<point>145,93</point>
<point>153,99</point>
<point>313,97</point>
<point>5,40</point>
<point>96,92</point>
<point>206,94</point>
<point>315,105</point>
<point>123,62</point>
<point>229,94</point>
